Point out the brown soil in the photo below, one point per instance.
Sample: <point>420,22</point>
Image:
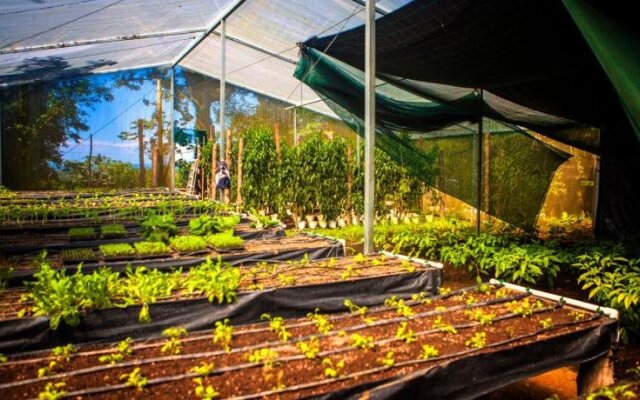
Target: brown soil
<point>294,369</point>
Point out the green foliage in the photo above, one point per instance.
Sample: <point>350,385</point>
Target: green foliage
<point>173,345</point>
<point>188,243</point>
<point>217,281</point>
<point>277,326</point>
<point>428,352</point>
<point>122,350</point>
<point>223,334</point>
<point>53,391</point>
<point>144,286</point>
<point>359,341</point>
<point>204,369</point>
<point>204,392</point>
<point>405,333</point>
<point>80,254</point>
<point>442,326</point>
<point>401,308</point>
<point>333,370</point>
<point>388,360</point>
<point>259,163</point>
<point>546,323</point>
<point>116,250</point>
<point>616,392</point>
<point>354,308</point>
<point>477,341</point>
<point>151,248</point>
<point>3,358</point>
<point>62,297</point>
<point>207,224</point>
<point>82,233</point>
<point>225,240</point>
<point>524,308</point>
<point>310,348</point>
<point>266,356</point>
<point>113,231</point>
<point>262,221</point>
<point>320,321</point>
<point>135,379</point>
<point>60,355</point>
<point>158,228</point>
<point>484,318</point>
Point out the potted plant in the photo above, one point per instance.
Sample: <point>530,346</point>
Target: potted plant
<point>302,224</point>
<point>313,224</point>
<point>333,224</point>
<point>322,224</point>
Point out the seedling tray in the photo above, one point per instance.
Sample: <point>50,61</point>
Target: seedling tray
<point>454,365</point>
<point>316,285</point>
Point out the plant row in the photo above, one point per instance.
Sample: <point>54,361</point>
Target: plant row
<point>293,358</point>
<point>63,296</point>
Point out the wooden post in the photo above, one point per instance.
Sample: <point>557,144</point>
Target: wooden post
<point>595,374</point>
<point>154,163</point>
<point>160,145</point>
<point>487,175</point>
<point>227,158</point>
<point>277,139</point>
<point>239,183</point>
<point>143,172</point>
<point>214,162</point>
<point>90,160</point>
<point>443,207</point>
<point>203,189</point>
<point>349,178</point>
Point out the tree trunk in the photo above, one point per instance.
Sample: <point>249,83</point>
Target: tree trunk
<point>160,146</point>
<point>227,158</point>
<point>239,182</point>
<point>141,152</point>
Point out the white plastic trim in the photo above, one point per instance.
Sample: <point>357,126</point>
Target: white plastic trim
<point>610,312</point>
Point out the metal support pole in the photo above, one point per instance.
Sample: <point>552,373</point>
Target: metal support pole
<point>358,156</point>
<point>223,82</point>
<point>369,125</point>
<point>295,126</point>
<point>90,160</point>
<point>0,141</point>
<point>172,144</point>
<point>479,139</point>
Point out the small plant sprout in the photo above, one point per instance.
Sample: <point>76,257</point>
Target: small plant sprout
<point>310,349</point>
<point>401,308</point>
<point>53,391</point>
<point>286,280</point>
<point>320,321</point>
<point>577,315</point>
<point>279,384</point>
<point>369,320</point>
<point>204,392</point>
<point>60,354</point>
<point>477,341</point>
<point>470,300</point>
<point>173,344</point>
<point>122,350</point>
<point>355,309</point>
<point>349,272</point>
<point>204,369</point>
<point>405,333</point>
<point>388,360</point>
<point>223,334</point>
<point>267,357</point>
<point>444,327</point>
<point>502,293</point>
<point>612,392</point>
<point>362,342</point>
<point>408,266</point>
<point>444,291</point>
<point>428,352</point>
<point>483,288</point>
<point>277,326</point>
<point>524,308</point>
<point>440,309</point>
<point>3,358</point>
<point>359,258</point>
<point>485,319</point>
<point>331,369</point>
<point>546,323</point>
<point>135,379</point>
<point>422,297</point>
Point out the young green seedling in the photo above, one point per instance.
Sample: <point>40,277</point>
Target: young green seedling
<point>333,370</point>
<point>223,334</point>
<point>428,352</point>
<point>405,333</point>
<point>53,391</point>
<point>362,342</point>
<point>355,309</point>
<point>204,392</point>
<point>122,350</point>
<point>277,326</point>
<point>388,360</point>
<point>310,349</point>
<point>320,321</point>
<point>439,324</point>
<point>173,344</point>
<point>477,341</point>
<point>135,379</point>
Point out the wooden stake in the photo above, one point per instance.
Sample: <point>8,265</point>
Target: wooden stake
<point>154,163</point>
<point>214,160</point>
<point>277,139</point>
<point>227,158</point>
<point>160,146</point>
<point>239,183</point>
<point>141,151</point>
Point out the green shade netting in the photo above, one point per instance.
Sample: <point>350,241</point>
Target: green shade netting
<point>444,158</point>
<point>617,48</point>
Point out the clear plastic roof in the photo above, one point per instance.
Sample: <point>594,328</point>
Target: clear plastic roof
<point>50,39</point>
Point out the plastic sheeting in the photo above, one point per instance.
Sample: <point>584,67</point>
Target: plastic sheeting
<point>198,314</point>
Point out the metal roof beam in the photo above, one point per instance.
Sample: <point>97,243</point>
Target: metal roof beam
<point>230,9</point>
<point>75,43</point>
<point>378,9</point>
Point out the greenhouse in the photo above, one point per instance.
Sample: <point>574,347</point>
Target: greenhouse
<point>330,199</point>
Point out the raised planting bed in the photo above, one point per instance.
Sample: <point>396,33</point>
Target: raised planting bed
<point>30,240</point>
<point>111,231</point>
<point>277,249</point>
<point>84,233</point>
<point>195,299</point>
<point>225,242</point>
<point>458,345</point>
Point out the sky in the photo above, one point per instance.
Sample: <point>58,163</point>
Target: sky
<point>107,120</point>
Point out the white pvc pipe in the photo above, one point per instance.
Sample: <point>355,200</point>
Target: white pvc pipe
<point>369,125</point>
<point>422,261</point>
<point>610,312</point>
